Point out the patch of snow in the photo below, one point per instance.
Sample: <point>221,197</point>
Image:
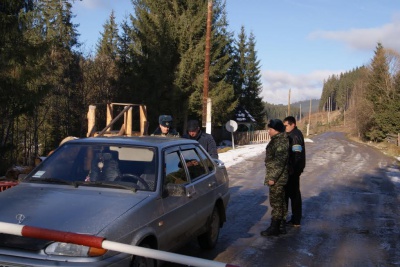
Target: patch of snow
<point>241,153</point>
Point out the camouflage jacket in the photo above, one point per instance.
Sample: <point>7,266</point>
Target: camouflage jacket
<point>276,159</point>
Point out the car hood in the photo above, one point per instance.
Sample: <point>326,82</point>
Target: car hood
<point>81,210</point>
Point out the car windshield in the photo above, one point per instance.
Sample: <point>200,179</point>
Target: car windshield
<point>99,165</point>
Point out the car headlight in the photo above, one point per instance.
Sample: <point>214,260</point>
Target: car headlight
<point>73,250</point>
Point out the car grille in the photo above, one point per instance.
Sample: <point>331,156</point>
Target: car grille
<point>20,242</point>
<point>4,264</point>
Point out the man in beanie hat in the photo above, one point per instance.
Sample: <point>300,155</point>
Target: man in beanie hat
<point>276,164</point>
<point>164,128</point>
<point>206,140</point>
<point>297,163</point>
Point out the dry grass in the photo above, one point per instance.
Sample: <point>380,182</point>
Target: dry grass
<point>387,148</point>
<point>222,150</point>
<point>319,124</point>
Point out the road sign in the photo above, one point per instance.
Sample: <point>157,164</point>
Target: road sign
<point>231,126</point>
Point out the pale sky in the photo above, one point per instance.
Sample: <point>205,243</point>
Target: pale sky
<point>299,43</point>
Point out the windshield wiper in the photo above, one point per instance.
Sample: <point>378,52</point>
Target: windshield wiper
<point>105,184</point>
<point>51,180</point>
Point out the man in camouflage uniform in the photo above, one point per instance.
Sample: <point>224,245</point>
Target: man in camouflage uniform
<point>276,163</point>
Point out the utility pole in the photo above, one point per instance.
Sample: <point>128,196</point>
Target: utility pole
<point>345,108</point>
<point>288,106</point>
<point>207,64</point>
<point>329,109</point>
<point>300,113</point>
<point>309,119</point>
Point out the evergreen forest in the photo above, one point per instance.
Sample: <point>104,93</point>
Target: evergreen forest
<point>368,95</point>
<point>154,57</point>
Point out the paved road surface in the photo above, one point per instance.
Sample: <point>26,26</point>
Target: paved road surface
<point>351,209</point>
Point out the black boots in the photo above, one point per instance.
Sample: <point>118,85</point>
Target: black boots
<point>273,229</point>
<point>293,223</point>
<point>282,227</point>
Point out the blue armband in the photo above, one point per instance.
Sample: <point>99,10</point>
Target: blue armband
<point>297,148</point>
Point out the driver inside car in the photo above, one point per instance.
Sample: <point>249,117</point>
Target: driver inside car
<point>104,168</point>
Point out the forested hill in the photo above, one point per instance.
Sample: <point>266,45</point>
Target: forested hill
<point>281,111</point>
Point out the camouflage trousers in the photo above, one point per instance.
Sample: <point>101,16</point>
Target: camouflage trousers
<point>277,202</point>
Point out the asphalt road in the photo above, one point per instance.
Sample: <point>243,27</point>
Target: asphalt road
<point>351,211</point>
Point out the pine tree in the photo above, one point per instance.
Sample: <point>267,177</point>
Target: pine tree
<point>12,88</point>
<point>395,107</point>
<point>128,83</point>
<point>105,90</point>
<point>59,32</point>
<point>237,71</point>
<point>252,100</point>
<point>387,109</point>
<point>245,76</point>
<point>169,38</point>
<point>221,90</point>
<point>155,48</point>
<point>108,43</point>
<point>379,84</point>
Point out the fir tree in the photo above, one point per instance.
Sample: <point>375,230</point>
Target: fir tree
<point>245,76</point>
<point>169,40</point>
<point>62,101</point>
<point>128,84</point>
<point>105,90</point>
<point>252,100</point>
<point>108,43</point>
<point>378,86</point>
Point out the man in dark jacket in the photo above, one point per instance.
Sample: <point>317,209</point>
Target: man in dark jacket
<point>206,140</point>
<point>276,164</point>
<point>297,163</point>
<point>164,128</point>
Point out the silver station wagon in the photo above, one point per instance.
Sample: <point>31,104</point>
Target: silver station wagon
<point>153,192</point>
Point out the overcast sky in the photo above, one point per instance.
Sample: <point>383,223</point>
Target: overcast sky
<point>299,43</point>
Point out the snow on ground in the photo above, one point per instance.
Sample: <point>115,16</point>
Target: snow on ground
<point>241,153</point>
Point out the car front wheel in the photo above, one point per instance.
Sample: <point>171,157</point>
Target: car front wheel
<point>208,240</point>
<point>139,261</point>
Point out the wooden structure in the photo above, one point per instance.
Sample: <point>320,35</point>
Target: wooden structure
<point>252,137</point>
<point>127,124</point>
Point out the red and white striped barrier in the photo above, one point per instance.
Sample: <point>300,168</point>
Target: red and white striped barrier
<point>102,243</point>
<point>7,184</point>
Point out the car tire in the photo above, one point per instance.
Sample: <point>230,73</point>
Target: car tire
<point>209,239</point>
<point>139,261</point>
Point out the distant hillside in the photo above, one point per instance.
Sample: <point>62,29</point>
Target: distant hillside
<point>281,111</point>
<point>305,105</point>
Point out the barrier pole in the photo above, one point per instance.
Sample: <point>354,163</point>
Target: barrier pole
<point>100,242</point>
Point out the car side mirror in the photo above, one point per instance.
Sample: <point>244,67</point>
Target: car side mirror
<point>175,190</point>
<point>219,163</point>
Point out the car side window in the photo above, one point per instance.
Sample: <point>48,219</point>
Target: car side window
<point>194,164</point>
<point>174,169</point>
<point>207,162</point>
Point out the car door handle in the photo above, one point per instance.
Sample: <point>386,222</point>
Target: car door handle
<point>190,194</point>
<point>212,184</point>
